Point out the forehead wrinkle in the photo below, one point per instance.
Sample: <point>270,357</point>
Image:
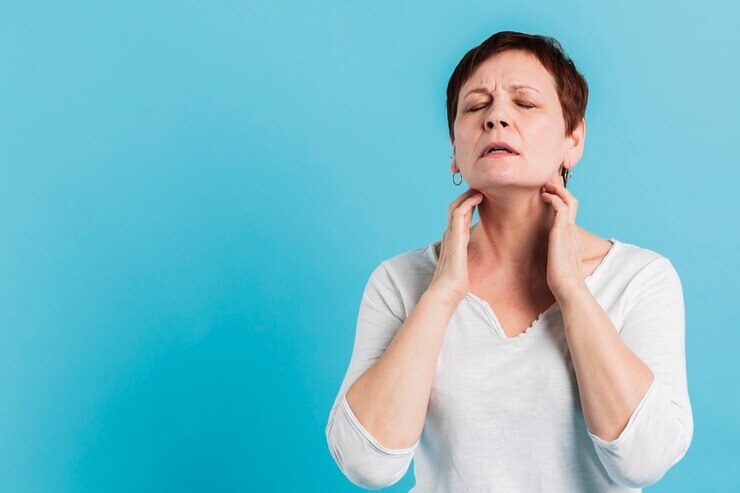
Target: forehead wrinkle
<point>511,88</point>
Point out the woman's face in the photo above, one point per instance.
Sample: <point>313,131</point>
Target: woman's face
<point>529,119</point>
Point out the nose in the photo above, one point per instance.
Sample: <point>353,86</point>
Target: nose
<point>496,115</point>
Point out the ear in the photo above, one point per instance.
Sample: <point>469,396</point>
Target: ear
<point>575,142</point>
<point>452,162</point>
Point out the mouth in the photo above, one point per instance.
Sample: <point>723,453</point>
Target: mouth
<point>498,155</point>
<point>498,149</point>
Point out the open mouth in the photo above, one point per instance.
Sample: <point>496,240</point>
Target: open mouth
<point>499,153</point>
<point>500,148</point>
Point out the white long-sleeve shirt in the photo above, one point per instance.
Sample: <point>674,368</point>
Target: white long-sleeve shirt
<point>504,414</point>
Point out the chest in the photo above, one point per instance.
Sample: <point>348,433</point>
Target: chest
<point>490,392</point>
<point>516,305</point>
<point>516,316</point>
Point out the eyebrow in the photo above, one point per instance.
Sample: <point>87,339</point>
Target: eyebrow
<point>513,87</point>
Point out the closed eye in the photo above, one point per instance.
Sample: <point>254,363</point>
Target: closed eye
<point>477,108</point>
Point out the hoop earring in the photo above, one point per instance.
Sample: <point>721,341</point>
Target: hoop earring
<point>453,178</point>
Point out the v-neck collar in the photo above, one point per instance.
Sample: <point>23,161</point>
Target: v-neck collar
<point>491,315</point>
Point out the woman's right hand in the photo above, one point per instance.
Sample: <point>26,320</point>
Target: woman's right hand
<point>451,275</point>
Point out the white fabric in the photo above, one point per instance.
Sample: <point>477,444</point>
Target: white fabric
<point>504,414</point>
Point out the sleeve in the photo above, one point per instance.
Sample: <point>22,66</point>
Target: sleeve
<point>660,429</point>
<point>360,457</point>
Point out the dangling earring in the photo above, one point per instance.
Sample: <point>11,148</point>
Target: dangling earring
<point>566,174</point>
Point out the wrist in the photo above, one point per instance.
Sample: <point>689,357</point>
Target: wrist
<point>572,295</point>
<point>443,296</point>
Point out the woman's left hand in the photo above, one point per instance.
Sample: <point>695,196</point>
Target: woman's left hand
<point>564,253</point>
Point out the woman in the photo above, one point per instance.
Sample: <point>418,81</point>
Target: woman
<point>524,353</point>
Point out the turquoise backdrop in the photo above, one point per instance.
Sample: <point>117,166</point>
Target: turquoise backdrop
<point>193,195</point>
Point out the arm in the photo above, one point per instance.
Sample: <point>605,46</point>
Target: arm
<point>632,383</point>
<point>379,413</point>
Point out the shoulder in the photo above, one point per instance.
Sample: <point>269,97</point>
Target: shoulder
<point>411,262</point>
<point>629,254</point>
<point>643,275</point>
<point>629,270</point>
<point>636,257</point>
<point>408,273</point>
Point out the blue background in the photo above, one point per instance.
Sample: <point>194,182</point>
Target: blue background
<point>193,195</point>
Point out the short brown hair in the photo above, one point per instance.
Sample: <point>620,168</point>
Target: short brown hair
<point>571,86</point>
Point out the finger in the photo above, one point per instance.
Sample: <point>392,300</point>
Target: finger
<point>464,212</point>
<point>562,215</point>
<point>462,197</point>
<point>566,196</point>
<point>467,205</point>
<point>470,192</point>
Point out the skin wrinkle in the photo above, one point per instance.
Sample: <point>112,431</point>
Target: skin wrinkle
<point>512,88</point>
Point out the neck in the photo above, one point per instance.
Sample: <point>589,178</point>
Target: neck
<point>513,231</point>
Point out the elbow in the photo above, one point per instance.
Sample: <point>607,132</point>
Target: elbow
<point>644,471</point>
<point>637,479</point>
<point>642,479</point>
<point>657,436</point>
<point>360,462</point>
<point>360,472</point>
<point>367,479</point>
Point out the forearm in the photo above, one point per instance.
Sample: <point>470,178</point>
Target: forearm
<point>611,378</point>
<point>390,399</point>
